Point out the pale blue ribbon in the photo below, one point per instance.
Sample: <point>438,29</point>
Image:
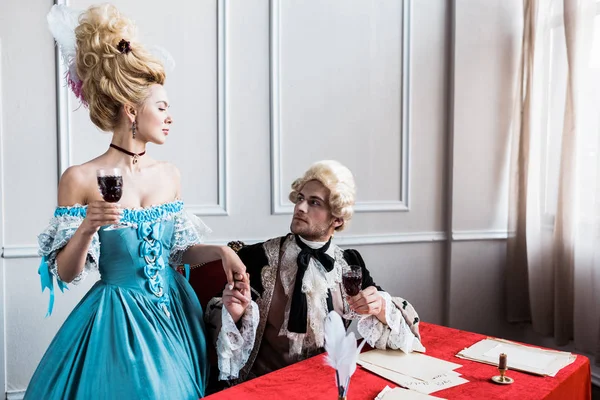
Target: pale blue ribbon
<point>47,280</point>
<point>187,271</point>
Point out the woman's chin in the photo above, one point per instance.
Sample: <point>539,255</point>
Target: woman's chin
<point>158,140</point>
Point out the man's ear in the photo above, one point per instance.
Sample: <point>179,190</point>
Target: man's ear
<point>337,222</point>
<point>130,112</point>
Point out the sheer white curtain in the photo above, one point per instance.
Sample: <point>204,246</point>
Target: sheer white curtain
<point>553,271</point>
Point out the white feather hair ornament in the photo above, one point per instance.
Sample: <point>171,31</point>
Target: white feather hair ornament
<point>62,21</point>
<point>342,351</point>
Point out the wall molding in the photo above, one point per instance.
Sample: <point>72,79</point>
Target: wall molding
<point>373,239</point>
<point>30,250</point>
<point>391,238</point>
<point>3,323</point>
<point>15,394</point>
<point>278,206</point>
<point>2,191</point>
<point>63,110</point>
<point>222,206</point>
<point>23,251</point>
<point>464,236</point>
<point>64,132</point>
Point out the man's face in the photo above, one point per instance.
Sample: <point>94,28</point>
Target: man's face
<point>312,217</point>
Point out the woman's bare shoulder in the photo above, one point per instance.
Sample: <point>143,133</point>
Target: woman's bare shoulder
<point>171,173</point>
<point>75,184</point>
<point>167,170</point>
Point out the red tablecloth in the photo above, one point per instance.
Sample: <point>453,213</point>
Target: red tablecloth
<point>312,379</point>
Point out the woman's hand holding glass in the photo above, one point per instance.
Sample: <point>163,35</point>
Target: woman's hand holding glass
<point>101,213</point>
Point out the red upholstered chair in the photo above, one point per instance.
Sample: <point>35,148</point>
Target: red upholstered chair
<point>208,281</point>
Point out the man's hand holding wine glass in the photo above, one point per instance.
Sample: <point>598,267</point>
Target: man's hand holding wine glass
<point>368,302</point>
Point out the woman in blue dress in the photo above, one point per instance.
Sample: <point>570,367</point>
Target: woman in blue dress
<point>138,333</point>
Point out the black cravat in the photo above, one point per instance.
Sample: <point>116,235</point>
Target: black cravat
<point>299,308</point>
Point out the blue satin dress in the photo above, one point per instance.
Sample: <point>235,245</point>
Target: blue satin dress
<point>139,332</point>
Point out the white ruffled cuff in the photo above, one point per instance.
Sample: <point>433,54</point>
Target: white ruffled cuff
<point>395,335</point>
<point>234,346</point>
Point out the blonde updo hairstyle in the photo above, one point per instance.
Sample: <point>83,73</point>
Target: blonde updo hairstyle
<point>111,78</point>
<point>340,182</point>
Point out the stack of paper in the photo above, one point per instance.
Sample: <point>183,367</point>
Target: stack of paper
<point>518,356</point>
<point>403,394</point>
<point>414,371</point>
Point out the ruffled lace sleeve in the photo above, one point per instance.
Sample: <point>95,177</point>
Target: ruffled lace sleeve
<point>58,233</point>
<point>235,345</point>
<point>188,230</point>
<point>56,236</point>
<point>397,334</point>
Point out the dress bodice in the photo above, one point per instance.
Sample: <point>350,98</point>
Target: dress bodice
<point>136,257</point>
<point>129,256</point>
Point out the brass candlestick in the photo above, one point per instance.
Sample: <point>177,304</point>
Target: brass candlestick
<point>502,367</point>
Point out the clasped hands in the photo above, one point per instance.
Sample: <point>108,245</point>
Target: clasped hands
<point>237,299</point>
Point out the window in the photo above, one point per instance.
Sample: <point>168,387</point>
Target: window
<point>550,86</point>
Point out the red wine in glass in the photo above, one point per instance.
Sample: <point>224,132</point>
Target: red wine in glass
<point>111,188</point>
<point>110,183</point>
<point>352,281</point>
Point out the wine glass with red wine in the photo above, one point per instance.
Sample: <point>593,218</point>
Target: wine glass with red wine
<point>352,282</point>
<point>110,182</point>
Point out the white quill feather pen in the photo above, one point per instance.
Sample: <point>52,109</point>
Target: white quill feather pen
<point>342,351</point>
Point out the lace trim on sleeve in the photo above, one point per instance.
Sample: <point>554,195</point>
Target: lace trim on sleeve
<point>395,335</point>
<point>233,345</point>
<point>56,236</point>
<point>188,231</point>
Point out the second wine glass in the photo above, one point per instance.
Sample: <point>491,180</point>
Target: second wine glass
<point>352,282</point>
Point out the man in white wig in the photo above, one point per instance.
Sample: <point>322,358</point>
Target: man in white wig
<point>275,316</point>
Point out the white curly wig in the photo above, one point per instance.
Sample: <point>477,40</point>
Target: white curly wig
<point>340,182</point>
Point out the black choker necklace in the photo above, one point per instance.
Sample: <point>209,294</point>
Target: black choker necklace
<point>134,155</point>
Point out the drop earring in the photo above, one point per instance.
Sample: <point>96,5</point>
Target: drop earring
<point>133,128</point>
